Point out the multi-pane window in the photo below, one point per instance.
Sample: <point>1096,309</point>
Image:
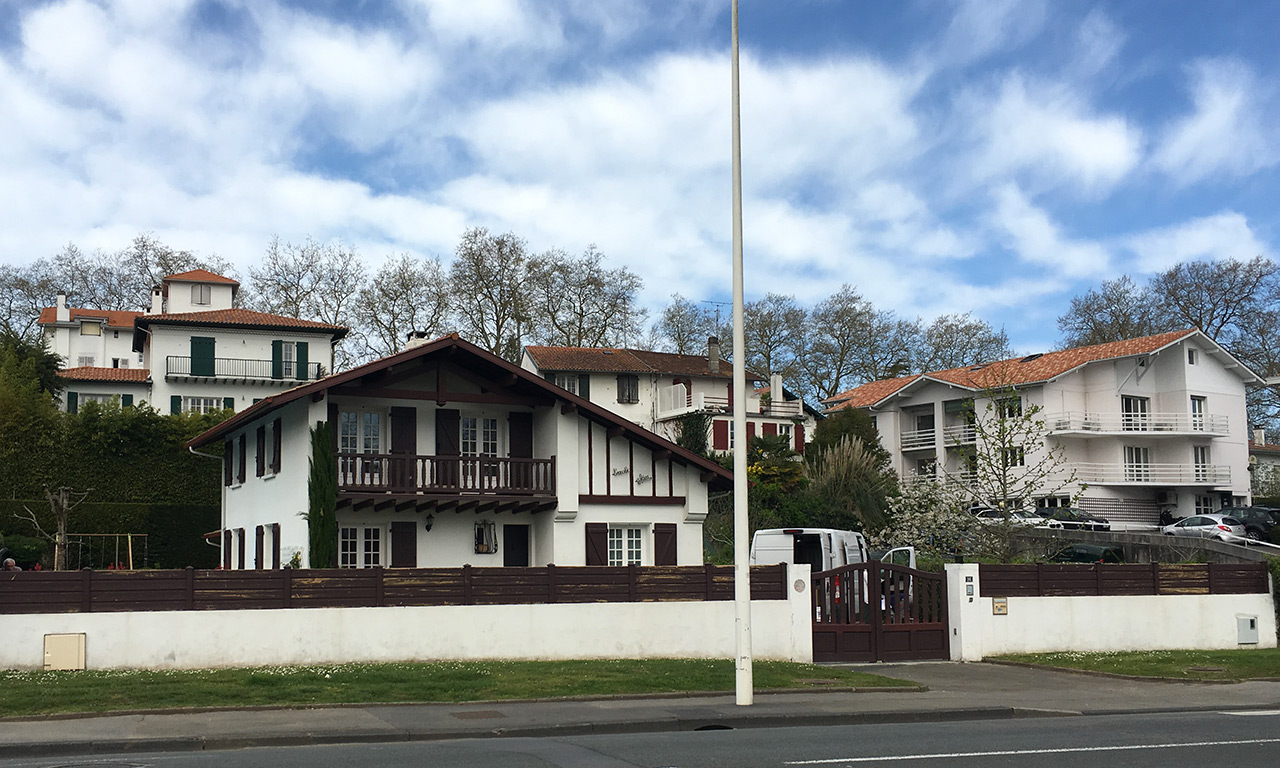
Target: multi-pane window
<point>785,430</point>
<point>1135,412</point>
<point>1015,457</point>
<point>288,357</point>
<point>359,547</point>
<point>479,436</point>
<point>1200,458</point>
<point>201,404</point>
<point>1199,407</point>
<point>1204,505</point>
<point>1009,407</point>
<point>625,546</point>
<point>201,294</point>
<point>372,547</point>
<point>567,382</point>
<point>628,388</point>
<point>1137,463</point>
<point>85,361</point>
<point>359,432</point>
<point>349,548</point>
<point>1192,356</point>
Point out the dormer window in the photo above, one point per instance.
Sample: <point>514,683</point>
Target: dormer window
<point>90,329</point>
<point>201,294</point>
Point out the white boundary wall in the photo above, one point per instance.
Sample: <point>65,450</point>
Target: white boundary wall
<point>1128,623</point>
<point>204,639</point>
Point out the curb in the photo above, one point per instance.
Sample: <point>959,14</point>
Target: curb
<point>1118,676</point>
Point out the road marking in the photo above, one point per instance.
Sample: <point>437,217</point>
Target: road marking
<point>1002,753</point>
<point>1253,713</point>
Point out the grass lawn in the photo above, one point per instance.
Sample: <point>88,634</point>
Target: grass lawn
<point>1184,665</point>
<point>39,692</point>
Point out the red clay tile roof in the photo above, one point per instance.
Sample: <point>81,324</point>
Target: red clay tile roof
<point>240,318</point>
<point>619,360</point>
<point>89,373</point>
<point>114,318</point>
<point>1029,369</point>
<point>200,276</point>
<point>1263,447</point>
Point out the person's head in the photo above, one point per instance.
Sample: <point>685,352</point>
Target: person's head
<point>9,565</point>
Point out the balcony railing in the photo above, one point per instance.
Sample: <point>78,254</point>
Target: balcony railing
<point>960,434</point>
<point>407,473</point>
<point>1179,423</point>
<point>920,438</point>
<point>1153,474</point>
<point>234,368</point>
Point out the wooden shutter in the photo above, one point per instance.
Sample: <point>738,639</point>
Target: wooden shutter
<point>448,432</point>
<point>520,433</point>
<point>720,435</point>
<point>300,361</point>
<point>175,404</point>
<point>240,548</point>
<point>769,430</point>
<point>259,547</point>
<point>751,431</point>
<point>226,550</point>
<point>334,426</point>
<point>229,403</point>
<point>276,443</point>
<point>664,544</point>
<point>404,442</point>
<point>277,359</point>
<point>73,402</point>
<point>799,438</point>
<point>126,401</point>
<point>242,465</point>
<point>275,545</point>
<point>228,456</point>
<point>584,386</point>
<point>597,543</point>
<point>404,544</point>
<point>260,461</point>
<point>202,355</point>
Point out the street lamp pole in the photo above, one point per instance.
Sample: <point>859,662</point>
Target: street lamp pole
<point>741,567</point>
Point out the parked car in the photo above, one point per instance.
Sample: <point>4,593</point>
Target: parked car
<point>1258,521</point>
<point>1072,519</point>
<point>1087,553</point>
<point>1215,526</point>
<point>1017,516</point>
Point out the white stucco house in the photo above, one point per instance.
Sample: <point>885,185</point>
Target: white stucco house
<point>1147,425</point>
<point>192,350</point>
<point>653,389</point>
<point>447,455</point>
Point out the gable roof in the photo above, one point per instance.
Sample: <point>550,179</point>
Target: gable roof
<point>622,360</point>
<point>115,318</point>
<point>200,276</point>
<point>91,373</point>
<point>453,345</point>
<point>1028,369</point>
<point>233,318</point>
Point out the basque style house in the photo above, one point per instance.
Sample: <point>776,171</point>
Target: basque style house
<point>653,389</point>
<point>1148,425</point>
<point>1264,465</point>
<point>191,351</point>
<point>446,455</point>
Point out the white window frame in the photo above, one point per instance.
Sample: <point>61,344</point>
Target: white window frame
<point>90,329</point>
<point>85,361</point>
<point>1137,463</point>
<point>288,359</point>
<point>1193,356</point>
<point>201,295</point>
<point>481,434</point>
<point>1200,462</point>
<point>1204,505</point>
<point>120,362</point>
<point>361,546</point>
<point>787,430</point>
<point>1199,409</point>
<point>626,545</point>
<point>192,404</point>
<point>1135,413</point>
<point>567,382</point>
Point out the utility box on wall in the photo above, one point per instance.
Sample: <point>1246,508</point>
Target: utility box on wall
<point>64,651</point>
<point>1247,630</point>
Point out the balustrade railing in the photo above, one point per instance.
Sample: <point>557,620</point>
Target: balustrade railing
<point>236,368</point>
<point>408,473</point>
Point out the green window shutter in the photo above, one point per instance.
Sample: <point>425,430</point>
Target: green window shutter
<point>229,403</point>
<point>584,386</point>
<point>73,402</point>
<point>301,361</point>
<point>202,355</point>
<point>126,401</point>
<point>175,404</point>
<point>277,359</point>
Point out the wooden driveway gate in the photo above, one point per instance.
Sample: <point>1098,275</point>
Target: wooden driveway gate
<point>879,612</point>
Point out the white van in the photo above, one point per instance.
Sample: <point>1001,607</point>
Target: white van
<point>820,548</point>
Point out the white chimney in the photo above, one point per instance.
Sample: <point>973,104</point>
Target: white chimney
<point>415,339</point>
<point>63,314</point>
<point>157,301</point>
<point>1259,435</point>
<point>776,398</point>
<point>713,354</point>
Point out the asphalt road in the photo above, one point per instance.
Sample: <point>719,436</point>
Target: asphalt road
<point>1182,740</point>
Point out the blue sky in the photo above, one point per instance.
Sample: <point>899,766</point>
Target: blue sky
<point>995,156</point>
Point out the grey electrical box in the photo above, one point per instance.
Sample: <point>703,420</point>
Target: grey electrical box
<point>1247,630</point>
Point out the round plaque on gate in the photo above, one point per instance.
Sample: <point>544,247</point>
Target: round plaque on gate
<point>799,585</point>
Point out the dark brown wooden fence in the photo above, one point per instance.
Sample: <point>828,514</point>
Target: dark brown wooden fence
<point>195,590</point>
<point>1070,580</point>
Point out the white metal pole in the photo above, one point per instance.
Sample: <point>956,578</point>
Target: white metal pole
<point>741,568</point>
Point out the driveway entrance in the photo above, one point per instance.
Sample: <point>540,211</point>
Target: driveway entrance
<point>879,612</point>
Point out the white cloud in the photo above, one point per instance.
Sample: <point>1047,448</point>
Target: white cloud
<point>1029,232</point>
<point>1098,43</point>
<point>1228,133</point>
<point>491,23</point>
<point>1225,235</point>
<point>1047,133</point>
<point>981,28</point>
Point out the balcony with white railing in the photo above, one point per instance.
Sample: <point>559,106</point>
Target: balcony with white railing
<point>918,439</point>
<point>1086,423</point>
<point>1153,474</point>
<point>959,434</point>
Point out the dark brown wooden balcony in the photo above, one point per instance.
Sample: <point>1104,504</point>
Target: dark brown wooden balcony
<point>365,473</point>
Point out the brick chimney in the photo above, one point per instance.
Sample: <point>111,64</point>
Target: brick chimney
<point>713,354</point>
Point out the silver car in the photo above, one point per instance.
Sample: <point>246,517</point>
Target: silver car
<point>1217,526</point>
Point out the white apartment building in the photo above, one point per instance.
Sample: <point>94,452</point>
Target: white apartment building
<point>191,351</point>
<point>1146,425</point>
<point>654,389</point>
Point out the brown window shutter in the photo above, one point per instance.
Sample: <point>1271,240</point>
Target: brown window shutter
<point>259,547</point>
<point>751,430</point>
<point>277,441</point>
<point>260,461</point>
<point>240,545</point>
<point>597,543</point>
<point>242,466</point>
<point>720,435</point>
<point>664,544</point>
<point>226,549</point>
<point>228,456</point>
<point>769,430</point>
<point>275,544</point>
<point>799,438</point>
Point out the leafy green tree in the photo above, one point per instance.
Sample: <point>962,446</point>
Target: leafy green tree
<point>322,497</point>
<point>847,422</point>
<point>31,428</point>
<point>853,485</point>
<point>33,347</point>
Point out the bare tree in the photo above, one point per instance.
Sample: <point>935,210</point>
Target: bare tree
<point>407,294</point>
<point>773,328</point>
<point>488,286</point>
<point>61,501</point>
<point>848,342</point>
<point>581,303</point>
<point>1120,309</point>
<point>686,326</point>
<point>1216,296</point>
<point>952,341</point>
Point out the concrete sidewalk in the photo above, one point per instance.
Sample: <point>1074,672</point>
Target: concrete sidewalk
<point>950,691</point>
